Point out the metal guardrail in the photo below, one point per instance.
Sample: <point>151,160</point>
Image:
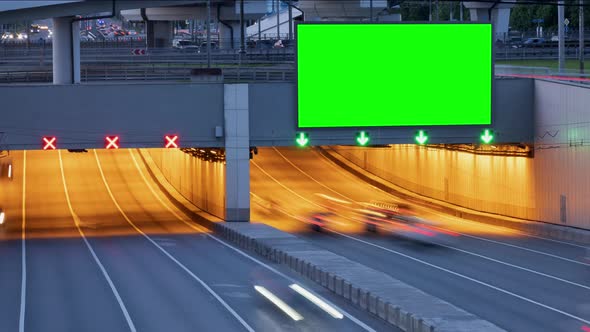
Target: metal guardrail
<point>507,71</point>
<point>236,74</point>
<point>124,51</point>
<point>233,71</point>
<point>536,53</point>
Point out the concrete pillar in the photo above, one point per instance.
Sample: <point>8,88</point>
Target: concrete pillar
<point>479,12</point>
<point>225,35</point>
<point>66,51</point>
<point>160,33</point>
<point>237,152</point>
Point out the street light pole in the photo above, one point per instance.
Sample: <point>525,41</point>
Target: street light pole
<point>437,12</point>
<point>582,44</point>
<point>242,29</point>
<point>208,24</point>
<point>290,20</point>
<point>278,19</point>
<point>561,34</point>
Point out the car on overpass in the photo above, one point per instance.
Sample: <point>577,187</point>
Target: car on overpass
<point>534,42</point>
<point>185,46</point>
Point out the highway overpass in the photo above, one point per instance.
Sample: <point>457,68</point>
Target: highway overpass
<point>120,206</point>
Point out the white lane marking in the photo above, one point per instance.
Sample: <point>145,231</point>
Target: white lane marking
<point>300,196</point>
<point>465,277</point>
<point>311,177</point>
<point>448,218</point>
<point>525,249</point>
<point>317,301</point>
<point>96,259</point>
<point>279,303</point>
<point>476,237</point>
<point>268,267</point>
<point>557,241</point>
<point>515,266</point>
<point>23,283</point>
<point>285,187</point>
<point>182,266</point>
<point>441,268</point>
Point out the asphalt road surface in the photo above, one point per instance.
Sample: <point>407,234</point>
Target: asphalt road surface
<point>103,250</point>
<point>516,281</point>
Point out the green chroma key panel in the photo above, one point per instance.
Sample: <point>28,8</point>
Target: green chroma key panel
<point>397,74</point>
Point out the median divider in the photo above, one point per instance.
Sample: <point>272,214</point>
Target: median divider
<point>395,302</point>
<point>539,228</point>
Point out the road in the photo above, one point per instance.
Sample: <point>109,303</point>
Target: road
<point>104,250</point>
<point>518,282</point>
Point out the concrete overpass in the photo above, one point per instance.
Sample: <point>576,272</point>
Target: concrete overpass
<point>318,10</point>
<point>66,22</point>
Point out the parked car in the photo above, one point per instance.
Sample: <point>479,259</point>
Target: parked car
<point>203,48</point>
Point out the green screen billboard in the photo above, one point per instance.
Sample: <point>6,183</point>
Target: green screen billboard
<point>370,75</point>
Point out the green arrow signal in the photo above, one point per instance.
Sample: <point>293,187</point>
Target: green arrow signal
<point>302,139</point>
<point>362,138</point>
<point>421,138</point>
<point>487,136</point>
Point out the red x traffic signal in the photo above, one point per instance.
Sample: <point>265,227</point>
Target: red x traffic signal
<point>112,142</point>
<point>49,143</point>
<point>171,141</point>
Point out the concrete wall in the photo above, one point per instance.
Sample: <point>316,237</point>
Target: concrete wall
<point>562,158</point>
<point>554,186</point>
<point>81,115</point>
<point>273,119</point>
<point>201,182</point>
<point>503,185</point>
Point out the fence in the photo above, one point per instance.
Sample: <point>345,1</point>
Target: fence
<point>151,73</point>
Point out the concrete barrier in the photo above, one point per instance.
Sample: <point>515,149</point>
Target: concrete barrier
<point>377,293</point>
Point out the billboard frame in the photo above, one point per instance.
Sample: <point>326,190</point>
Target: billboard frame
<point>492,74</point>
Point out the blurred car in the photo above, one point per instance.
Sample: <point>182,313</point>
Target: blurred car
<point>6,171</point>
<point>2,216</point>
<point>319,220</point>
<point>399,219</point>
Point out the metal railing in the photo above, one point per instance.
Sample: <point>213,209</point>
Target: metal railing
<point>126,74</point>
<point>536,53</point>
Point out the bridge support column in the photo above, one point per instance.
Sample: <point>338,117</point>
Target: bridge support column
<point>225,35</point>
<point>500,16</point>
<point>159,34</point>
<point>237,152</point>
<point>66,50</point>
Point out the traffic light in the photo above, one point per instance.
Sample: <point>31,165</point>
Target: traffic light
<point>487,136</point>
<point>421,137</point>
<point>302,139</point>
<point>49,143</point>
<point>362,138</point>
<point>171,141</point>
<point>112,142</point>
